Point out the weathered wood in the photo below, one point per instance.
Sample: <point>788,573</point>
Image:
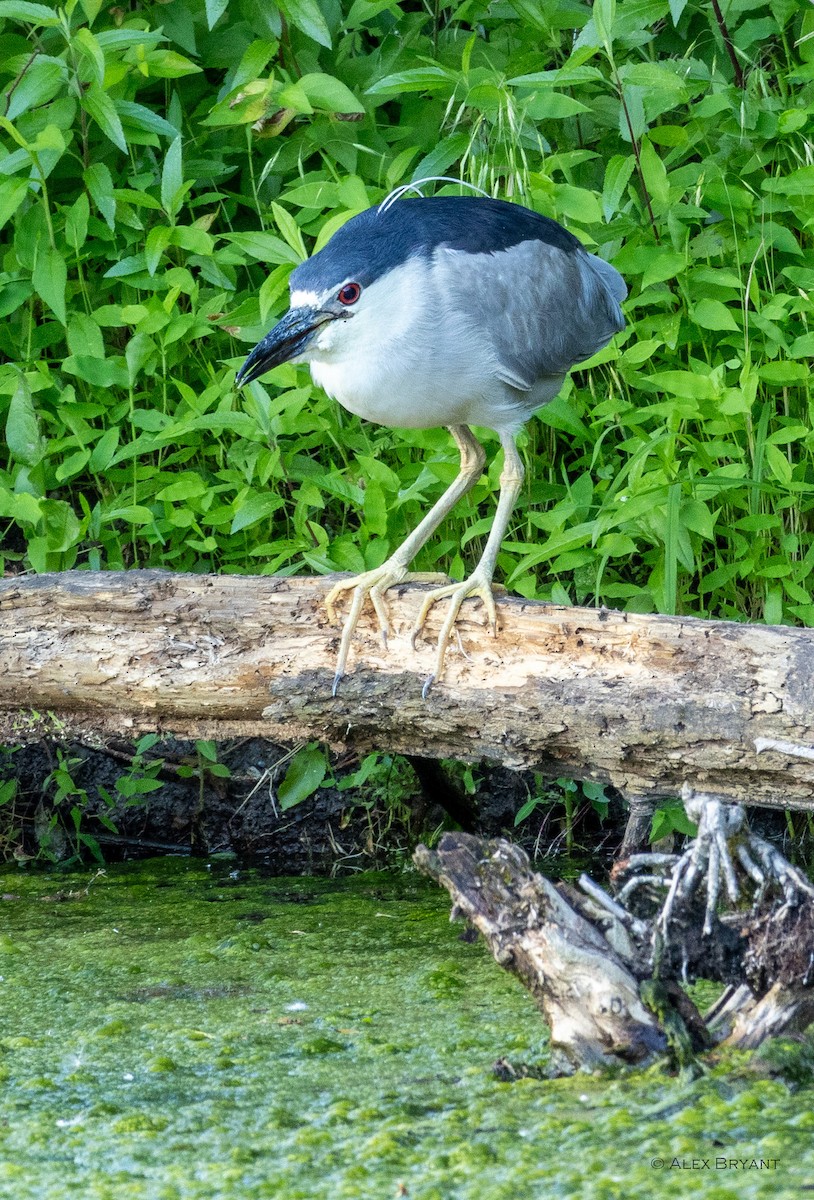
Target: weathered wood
<point>607,980</point>
<point>744,1020</point>
<point>584,985</point>
<point>641,702</point>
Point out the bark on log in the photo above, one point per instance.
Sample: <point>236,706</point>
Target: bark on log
<point>641,702</point>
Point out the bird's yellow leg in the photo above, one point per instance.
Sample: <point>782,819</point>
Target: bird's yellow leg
<point>479,584</point>
<point>394,570</point>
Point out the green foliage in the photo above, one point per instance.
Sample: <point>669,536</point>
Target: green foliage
<point>567,794</point>
<point>304,775</point>
<point>671,818</point>
<point>59,830</point>
<point>162,169</point>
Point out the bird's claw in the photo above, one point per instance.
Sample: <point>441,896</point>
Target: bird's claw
<point>373,584</point>
<point>477,587</point>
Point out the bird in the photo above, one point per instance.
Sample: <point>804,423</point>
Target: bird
<point>453,311</point>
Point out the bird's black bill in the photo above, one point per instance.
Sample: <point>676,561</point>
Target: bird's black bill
<point>288,338</point>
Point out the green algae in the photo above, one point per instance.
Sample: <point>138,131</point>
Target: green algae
<point>188,1030</point>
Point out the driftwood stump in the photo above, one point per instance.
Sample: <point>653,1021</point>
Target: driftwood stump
<point>583,985</point>
<point>640,702</point>
<point>607,979</point>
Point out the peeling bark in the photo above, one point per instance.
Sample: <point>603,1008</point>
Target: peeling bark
<point>640,702</point>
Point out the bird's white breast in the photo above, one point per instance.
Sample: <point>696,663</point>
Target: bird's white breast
<point>404,358</point>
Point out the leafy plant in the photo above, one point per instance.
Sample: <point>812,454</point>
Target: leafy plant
<point>163,168</point>
<point>60,832</point>
<point>671,818</point>
<point>305,773</point>
<point>141,778</point>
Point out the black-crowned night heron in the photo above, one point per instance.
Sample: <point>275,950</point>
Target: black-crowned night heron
<point>451,311</point>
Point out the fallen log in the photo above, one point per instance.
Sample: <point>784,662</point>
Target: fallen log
<point>640,702</point>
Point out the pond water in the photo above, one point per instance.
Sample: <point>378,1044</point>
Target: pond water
<point>186,1030</point>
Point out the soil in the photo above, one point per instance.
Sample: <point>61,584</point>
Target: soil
<point>343,826</point>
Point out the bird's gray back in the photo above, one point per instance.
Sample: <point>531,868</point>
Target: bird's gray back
<point>540,306</point>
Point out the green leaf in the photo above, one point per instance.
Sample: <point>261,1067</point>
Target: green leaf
<point>76,222</point>
<point>91,55</point>
<point>104,450</point>
<point>156,243</point>
<point>98,105</point>
<point>322,194</point>
<point>671,818</point>
<point>187,487</point>
<point>264,247</point>
<point>72,465</point>
<point>214,11</point>
<point>418,79</point>
<point>442,157</point>
<point>665,264</point>
<point>796,183</point>
<point>101,372</point>
<point>655,77</point>
<point>168,64</point>
<point>686,383</point>
<point>132,265</point>
<point>655,176</point>
<point>99,183</point>
<point>526,810</point>
<point>330,94</point>
<point>307,16</point>
<point>30,14</point>
<point>617,176</point>
<point>803,346</point>
<point>256,508</point>
<point>132,514</point>
<point>713,314</point>
<point>783,373</point>
<point>303,777</point>
<point>172,178</point>
<point>143,118</point>
<point>604,15</point>
<point>130,35</point>
<point>12,194</point>
<point>554,106</point>
<point>23,428</point>
<point>39,84</point>
<point>50,277</point>
<point>290,230</point>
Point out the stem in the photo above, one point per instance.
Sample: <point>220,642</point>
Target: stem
<point>730,49</point>
<point>45,199</point>
<point>252,177</point>
<point>635,143</point>
<point>18,81</point>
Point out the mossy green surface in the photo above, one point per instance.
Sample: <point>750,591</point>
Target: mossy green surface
<point>191,1030</point>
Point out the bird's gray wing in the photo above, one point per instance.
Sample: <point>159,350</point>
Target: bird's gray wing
<point>542,308</point>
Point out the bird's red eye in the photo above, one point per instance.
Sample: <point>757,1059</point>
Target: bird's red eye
<point>349,294</point>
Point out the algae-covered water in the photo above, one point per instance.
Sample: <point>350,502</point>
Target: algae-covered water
<point>187,1029</point>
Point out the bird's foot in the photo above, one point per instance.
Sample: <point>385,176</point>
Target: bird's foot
<point>478,586</point>
<point>373,584</point>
